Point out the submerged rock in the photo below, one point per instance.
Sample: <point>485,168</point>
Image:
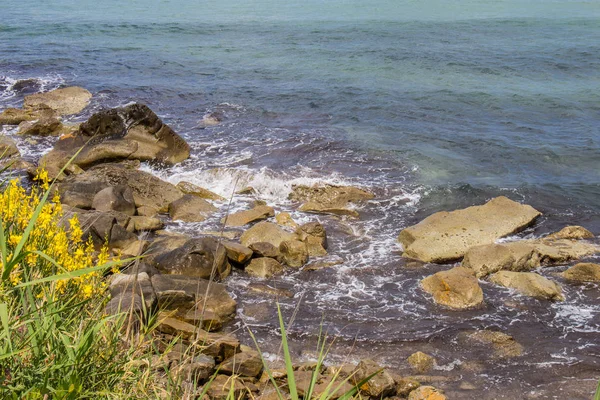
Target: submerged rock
<point>529,284</point>
<point>571,232</point>
<point>457,288</point>
<point>583,272</point>
<point>329,199</point>
<point>421,362</point>
<point>446,236</point>
<point>65,101</point>
<point>504,346</point>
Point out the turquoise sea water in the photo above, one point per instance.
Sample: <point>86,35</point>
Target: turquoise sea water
<point>432,104</point>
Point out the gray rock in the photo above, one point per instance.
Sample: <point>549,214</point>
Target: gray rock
<point>190,208</point>
<point>115,198</point>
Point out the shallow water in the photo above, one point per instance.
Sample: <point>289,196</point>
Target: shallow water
<point>432,105</point>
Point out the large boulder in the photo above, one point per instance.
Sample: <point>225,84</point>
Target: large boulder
<point>457,288</point>
<point>583,272</point>
<point>190,208</point>
<point>329,199</point>
<point>133,132</point>
<point>148,190</point>
<point>65,101</point>
<point>563,250</point>
<point>242,218</point>
<point>446,236</point>
<point>266,232</point>
<point>529,284</point>
<point>202,257</point>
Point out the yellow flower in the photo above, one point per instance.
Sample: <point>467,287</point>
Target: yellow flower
<point>42,177</point>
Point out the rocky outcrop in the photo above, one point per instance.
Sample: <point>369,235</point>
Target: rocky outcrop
<point>190,188</point>
<point>115,198</point>
<point>266,232</point>
<point>583,272</point>
<point>190,208</point>
<point>529,284</point>
<point>329,199</point>
<point>571,232</point>
<point>45,126</point>
<point>65,101</point>
<point>457,288</point>
<point>133,132</point>
<point>242,218</point>
<point>14,116</point>
<point>446,236</point>
<point>201,257</point>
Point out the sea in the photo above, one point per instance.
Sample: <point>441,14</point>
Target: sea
<point>432,105</point>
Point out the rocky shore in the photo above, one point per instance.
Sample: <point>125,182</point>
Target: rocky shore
<point>96,167</point>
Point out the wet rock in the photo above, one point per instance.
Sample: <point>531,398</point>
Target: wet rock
<point>270,291</point>
<point>190,188</point>
<point>200,257</point>
<point>285,219</point>
<point>263,267</point>
<point>571,232</point>
<point>406,385</point>
<point>211,295</point>
<point>381,385</point>
<point>148,190</point>
<point>265,232</point>
<point>421,362</point>
<point>329,199</point>
<point>526,257</point>
<point>583,272</point>
<point>14,116</point>
<point>115,198</point>
<point>65,101</point>
<point>563,250</point>
<point>242,218</point>
<point>293,253</point>
<point>147,224</point>
<point>8,147</point>
<point>322,264</point>
<point>457,288</point>
<point>264,249</point>
<point>503,345</point>
<point>247,363</point>
<point>446,236</point>
<point>212,118</point>
<point>529,284</point>
<point>236,252</point>
<point>426,393</point>
<point>248,190</point>
<point>45,126</point>
<point>314,236</point>
<point>190,208</point>
<point>487,259</point>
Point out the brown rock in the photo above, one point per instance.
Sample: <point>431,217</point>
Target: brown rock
<point>446,236</point>
<point>487,259</point>
<point>242,218</point>
<point>406,385</point>
<point>563,250</point>
<point>206,319</point>
<point>236,252</point>
<point>293,253</point>
<point>285,219</point>
<point>583,272</point>
<point>381,385</point>
<point>529,284</point>
<point>65,101</point>
<point>266,232</point>
<point>190,188</point>
<point>263,267</point>
<point>14,116</point>
<point>190,208</point>
<point>421,362</point>
<point>503,345</point>
<point>571,232</point>
<point>247,363</point>
<point>115,198</point>
<point>220,388</point>
<point>426,393</point>
<point>8,147</point>
<point>456,288</point>
<point>264,249</point>
<point>268,290</point>
<point>141,223</point>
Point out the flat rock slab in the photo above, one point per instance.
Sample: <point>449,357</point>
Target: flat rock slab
<point>66,101</point>
<point>242,218</point>
<point>446,236</point>
<point>457,288</point>
<point>529,284</point>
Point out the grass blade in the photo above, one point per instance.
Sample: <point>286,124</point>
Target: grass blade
<point>288,359</point>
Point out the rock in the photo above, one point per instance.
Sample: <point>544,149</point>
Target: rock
<point>446,236</point>
<point>285,219</point>
<point>206,319</point>
<point>212,118</point>
<point>220,346</point>
<point>293,253</point>
<point>212,295</point>
<point>571,232</point>
<point>322,264</point>
<point>196,369</point>
<point>503,345</point>
<point>248,190</point>
<point>381,385</point>
<point>242,218</point>
<point>265,232</point>
<point>190,208</point>
<point>127,302</point>
<point>14,116</point>
<point>421,362</point>
<point>221,386</point>
<point>529,284</point>
<point>133,132</point>
<point>247,363</point>
<point>8,147</point>
<point>583,272</point>
<point>236,252</point>
<point>115,198</point>
<point>406,385</point>
<point>314,236</point>
<point>457,288</point>
<point>190,188</point>
<point>103,227</point>
<point>270,291</point>
<point>329,199</point>
<point>426,393</point>
<point>264,249</point>
<point>563,250</point>
<point>526,257</point>
<point>197,258</point>
<point>45,126</point>
<point>65,101</point>
<point>140,223</point>
<point>263,267</point>
<point>148,190</point>
<point>488,258</point>
<point>312,207</point>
